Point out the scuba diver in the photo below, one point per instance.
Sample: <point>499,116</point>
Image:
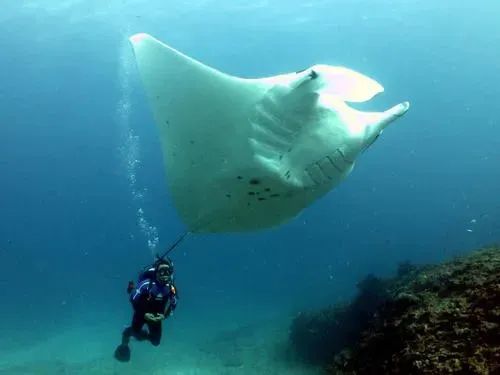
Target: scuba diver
<point>153,300</point>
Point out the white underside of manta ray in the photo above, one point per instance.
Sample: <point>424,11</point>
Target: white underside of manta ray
<point>249,154</point>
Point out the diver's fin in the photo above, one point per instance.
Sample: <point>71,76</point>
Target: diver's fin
<point>122,353</point>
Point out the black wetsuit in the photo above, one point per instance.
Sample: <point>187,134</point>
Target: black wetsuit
<point>149,297</point>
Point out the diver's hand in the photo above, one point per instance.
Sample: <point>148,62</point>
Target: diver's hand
<point>160,317</point>
<point>154,318</point>
<point>150,317</point>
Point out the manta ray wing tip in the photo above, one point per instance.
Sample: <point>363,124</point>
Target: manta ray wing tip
<point>137,38</point>
<point>400,109</point>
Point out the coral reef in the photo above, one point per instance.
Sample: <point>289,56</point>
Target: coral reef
<point>441,319</point>
<point>316,335</point>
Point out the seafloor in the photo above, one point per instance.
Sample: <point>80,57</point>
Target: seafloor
<point>229,346</point>
<point>439,319</point>
<point>435,319</point>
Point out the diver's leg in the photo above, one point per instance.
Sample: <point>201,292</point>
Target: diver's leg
<point>138,322</point>
<point>122,352</point>
<point>155,333</point>
<point>135,329</point>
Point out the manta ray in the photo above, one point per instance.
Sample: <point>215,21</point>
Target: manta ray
<point>246,154</point>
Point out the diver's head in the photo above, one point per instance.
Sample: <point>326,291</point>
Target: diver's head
<point>164,271</point>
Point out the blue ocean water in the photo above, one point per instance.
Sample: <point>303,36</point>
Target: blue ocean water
<point>83,194</point>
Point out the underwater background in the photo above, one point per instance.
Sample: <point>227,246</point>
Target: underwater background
<point>83,192</point>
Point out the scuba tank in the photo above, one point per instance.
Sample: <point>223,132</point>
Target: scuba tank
<point>147,273</point>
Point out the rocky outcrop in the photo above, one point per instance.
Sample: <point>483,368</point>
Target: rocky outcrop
<point>442,319</point>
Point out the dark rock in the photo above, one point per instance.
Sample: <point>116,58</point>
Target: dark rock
<point>442,319</point>
<point>445,319</point>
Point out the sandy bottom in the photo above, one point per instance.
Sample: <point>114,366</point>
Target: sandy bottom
<point>222,346</point>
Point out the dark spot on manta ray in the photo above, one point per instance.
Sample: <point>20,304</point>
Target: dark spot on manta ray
<point>254,181</point>
<point>274,195</point>
<point>167,122</point>
<point>228,195</point>
<point>191,141</point>
<point>261,199</point>
<point>313,74</point>
<point>267,189</point>
<point>239,178</point>
<point>251,193</point>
